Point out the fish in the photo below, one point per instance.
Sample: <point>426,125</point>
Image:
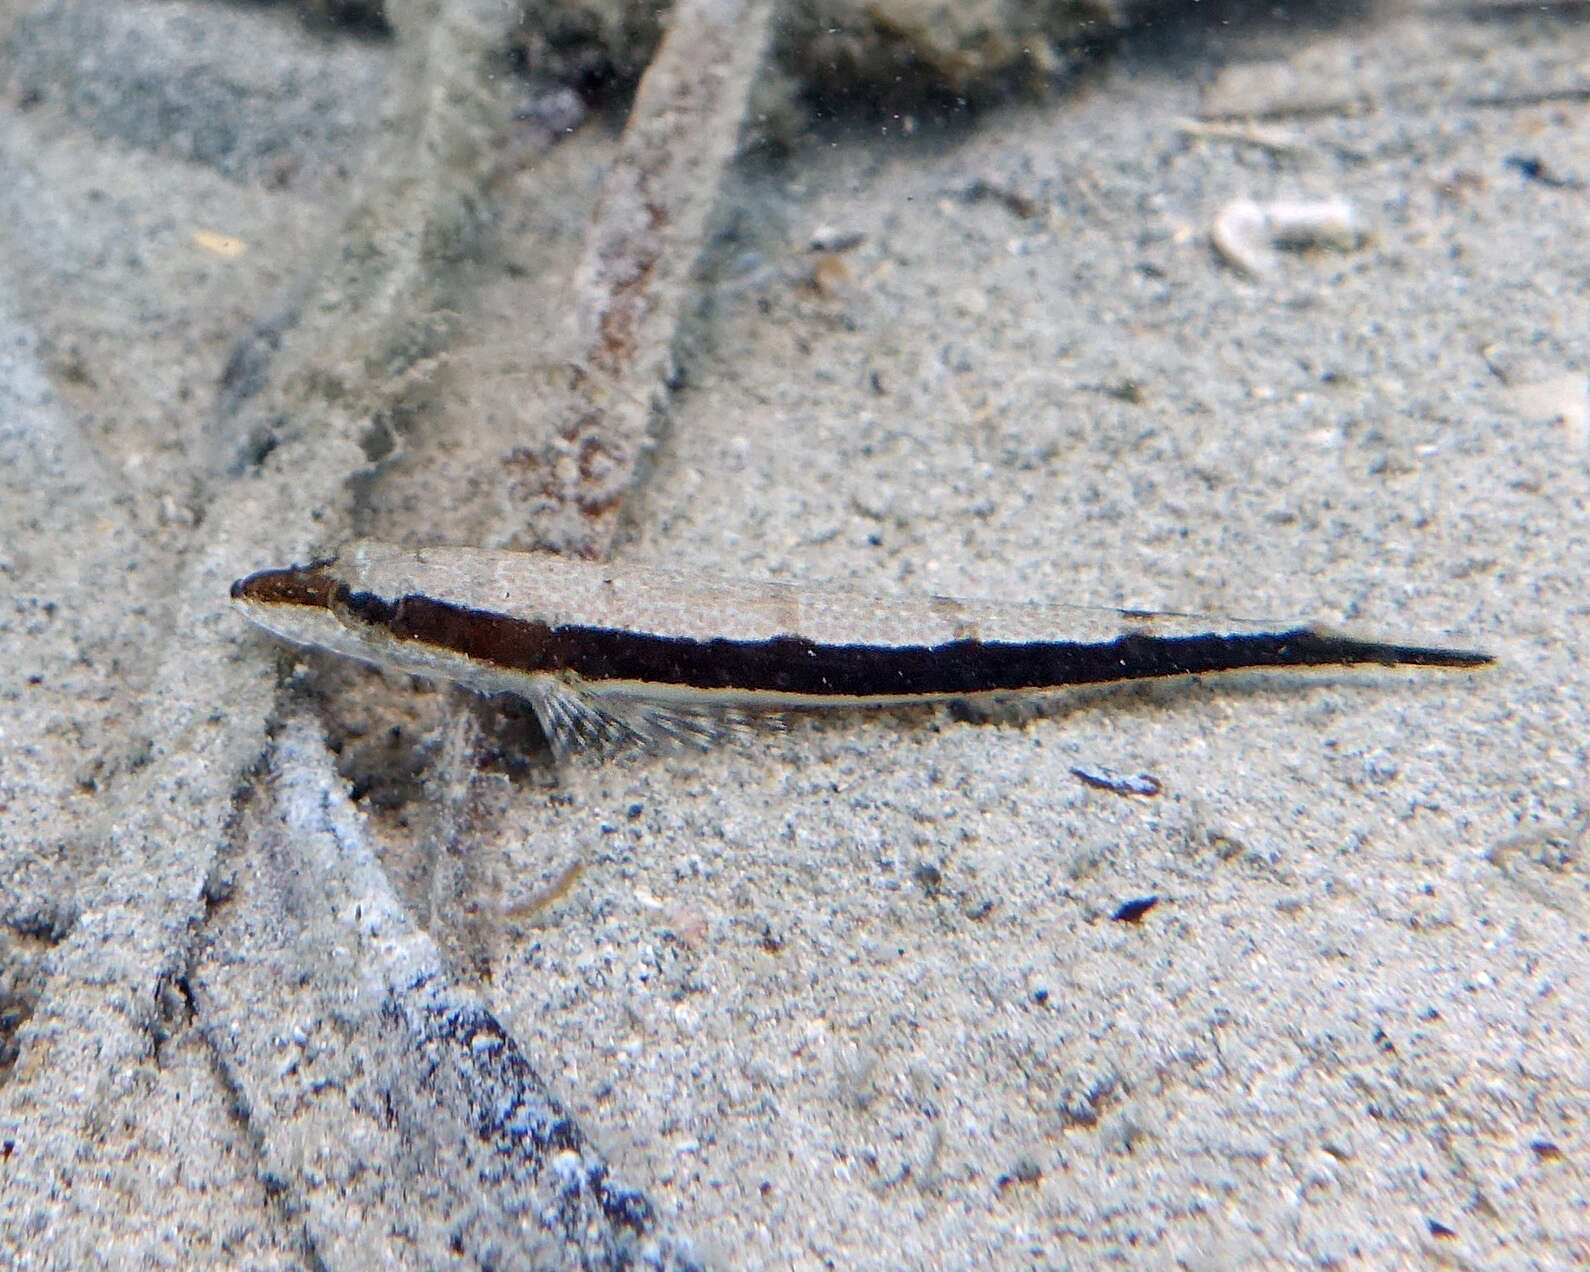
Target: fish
<point>612,655</point>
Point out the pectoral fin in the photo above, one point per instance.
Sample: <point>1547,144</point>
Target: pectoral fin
<point>576,718</point>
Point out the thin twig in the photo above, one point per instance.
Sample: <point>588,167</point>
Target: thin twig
<point>401,1079</point>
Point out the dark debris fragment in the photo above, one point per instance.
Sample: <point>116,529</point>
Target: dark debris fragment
<point>1132,911</point>
<point>1145,784</point>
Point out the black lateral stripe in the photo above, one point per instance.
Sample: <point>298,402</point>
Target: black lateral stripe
<point>794,665</point>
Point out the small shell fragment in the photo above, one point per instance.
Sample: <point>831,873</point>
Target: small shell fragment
<point>226,246</point>
<point>830,238</point>
<point>1250,236</point>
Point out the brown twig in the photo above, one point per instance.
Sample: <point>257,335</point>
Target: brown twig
<point>632,278</point>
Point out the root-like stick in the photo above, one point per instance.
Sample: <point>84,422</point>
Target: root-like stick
<point>632,278</point>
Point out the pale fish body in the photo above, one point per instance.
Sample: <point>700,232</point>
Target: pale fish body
<point>608,653</point>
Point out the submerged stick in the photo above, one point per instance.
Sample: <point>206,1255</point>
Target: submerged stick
<point>633,276</point>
